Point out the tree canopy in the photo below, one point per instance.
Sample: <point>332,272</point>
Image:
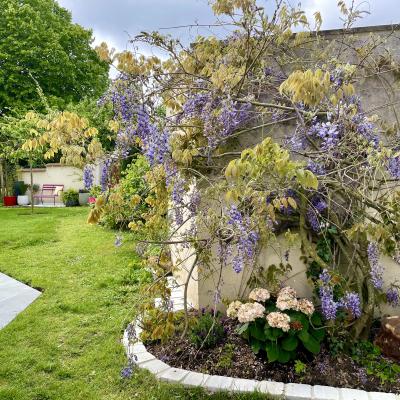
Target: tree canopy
<point>40,42</point>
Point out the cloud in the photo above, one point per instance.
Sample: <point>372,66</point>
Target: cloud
<point>117,20</point>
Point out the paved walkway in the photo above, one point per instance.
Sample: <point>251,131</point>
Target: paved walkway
<point>14,298</point>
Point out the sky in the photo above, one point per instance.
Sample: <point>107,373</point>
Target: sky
<point>115,21</point>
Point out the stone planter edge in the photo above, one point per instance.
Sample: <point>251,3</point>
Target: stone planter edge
<point>289,391</point>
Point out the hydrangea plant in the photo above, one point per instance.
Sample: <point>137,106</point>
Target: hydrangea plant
<point>279,326</point>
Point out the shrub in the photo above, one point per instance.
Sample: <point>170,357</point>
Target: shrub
<point>70,198</point>
<point>206,331</point>
<point>280,327</point>
<point>126,201</point>
<point>20,188</point>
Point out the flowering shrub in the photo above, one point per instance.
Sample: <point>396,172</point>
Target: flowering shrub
<point>279,326</point>
<point>242,149</point>
<point>126,200</point>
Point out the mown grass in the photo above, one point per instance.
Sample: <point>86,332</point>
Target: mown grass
<point>66,345</point>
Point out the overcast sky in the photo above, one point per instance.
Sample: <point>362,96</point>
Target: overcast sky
<point>113,21</point>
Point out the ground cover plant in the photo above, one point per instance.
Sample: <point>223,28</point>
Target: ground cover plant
<point>66,345</point>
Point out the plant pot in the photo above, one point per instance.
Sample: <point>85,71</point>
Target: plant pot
<point>23,200</point>
<point>71,203</point>
<point>10,201</point>
<point>84,198</point>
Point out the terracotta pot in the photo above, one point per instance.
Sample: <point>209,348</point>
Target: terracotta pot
<point>10,201</point>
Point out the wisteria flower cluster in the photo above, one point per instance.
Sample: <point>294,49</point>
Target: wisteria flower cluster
<point>330,304</point>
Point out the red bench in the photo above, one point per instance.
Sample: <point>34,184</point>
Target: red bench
<point>49,191</point>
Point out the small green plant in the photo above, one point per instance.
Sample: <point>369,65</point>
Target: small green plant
<point>20,188</point>
<point>70,198</point>
<point>280,327</point>
<point>369,356</point>
<point>226,357</point>
<point>300,367</point>
<point>206,331</point>
<point>95,191</point>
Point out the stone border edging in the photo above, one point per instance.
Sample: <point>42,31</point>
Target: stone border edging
<point>289,391</point>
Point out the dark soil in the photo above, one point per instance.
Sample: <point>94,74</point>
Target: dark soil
<point>234,357</point>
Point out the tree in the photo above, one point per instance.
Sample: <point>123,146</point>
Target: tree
<point>40,42</point>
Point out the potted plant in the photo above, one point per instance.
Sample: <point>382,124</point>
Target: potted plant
<point>10,199</point>
<point>83,197</point>
<point>70,198</point>
<point>20,190</point>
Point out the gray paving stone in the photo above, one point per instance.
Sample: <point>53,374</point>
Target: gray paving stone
<point>173,375</point>
<point>143,357</point>
<point>155,366</point>
<point>297,391</point>
<point>353,394</point>
<point>137,348</point>
<point>325,393</point>
<point>216,382</point>
<point>382,396</point>
<point>273,388</point>
<point>14,298</point>
<point>244,385</point>
<point>194,379</point>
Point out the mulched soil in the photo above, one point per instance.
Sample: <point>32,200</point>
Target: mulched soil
<point>233,357</point>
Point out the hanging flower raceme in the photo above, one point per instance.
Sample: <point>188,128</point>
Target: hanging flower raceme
<point>88,176</point>
<point>155,142</point>
<point>246,237</point>
<point>376,271</point>
<point>220,118</point>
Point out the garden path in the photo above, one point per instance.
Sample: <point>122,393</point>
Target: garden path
<point>14,298</point>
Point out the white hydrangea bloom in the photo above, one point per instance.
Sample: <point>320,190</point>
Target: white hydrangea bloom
<point>248,312</point>
<point>259,294</point>
<point>233,309</point>
<point>279,320</point>
<point>287,299</point>
<point>306,306</point>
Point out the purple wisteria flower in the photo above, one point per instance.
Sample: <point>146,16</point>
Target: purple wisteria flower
<point>351,302</point>
<point>329,305</point>
<point>394,167</point>
<point>314,211</point>
<point>328,132</point>
<point>105,172</point>
<point>316,168</point>
<point>247,238</point>
<point>155,143</point>
<point>392,296</point>
<point>220,118</point>
<point>88,176</point>
<point>376,271</point>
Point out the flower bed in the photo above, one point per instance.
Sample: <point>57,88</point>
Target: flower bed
<point>182,368</point>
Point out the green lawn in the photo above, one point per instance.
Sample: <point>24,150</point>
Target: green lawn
<point>66,345</point>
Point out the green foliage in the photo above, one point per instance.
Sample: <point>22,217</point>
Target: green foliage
<point>226,358</point>
<point>206,331</point>
<point>126,202</point>
<point>95,191</point>
<point>70,198</point>
<point>304,334</point>
<point>369,356</point>
<point>40,41</point>
<point>300,367</point>
<point>160,325</point>
<point>20,188</point>
<point>138,275</point>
